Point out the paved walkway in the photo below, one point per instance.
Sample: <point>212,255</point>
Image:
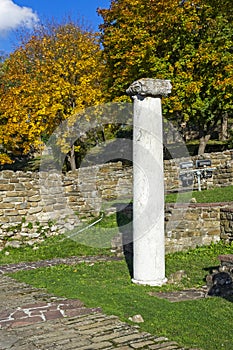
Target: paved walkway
<point>31,319</point>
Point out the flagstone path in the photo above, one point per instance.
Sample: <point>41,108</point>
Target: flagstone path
<point>31,319</point>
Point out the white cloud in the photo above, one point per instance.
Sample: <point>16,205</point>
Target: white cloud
<point>13,16</point>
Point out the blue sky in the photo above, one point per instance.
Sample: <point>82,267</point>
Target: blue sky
<point>14,13</point>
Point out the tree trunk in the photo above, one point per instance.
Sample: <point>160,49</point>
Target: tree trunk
<point>203,142</point>
<point>224,134</point>
<point>72,159</point>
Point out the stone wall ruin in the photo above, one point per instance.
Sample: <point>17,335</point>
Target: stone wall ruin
<point>35,205</point>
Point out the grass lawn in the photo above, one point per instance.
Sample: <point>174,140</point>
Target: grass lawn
<point>205,323</point>
<point>52,247</point>
<point>223,194</point>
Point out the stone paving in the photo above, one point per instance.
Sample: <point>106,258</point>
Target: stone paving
<point>31,319</point>
<point>183,295</point>
<point>73,260</point>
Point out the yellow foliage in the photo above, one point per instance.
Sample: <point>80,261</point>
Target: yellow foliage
<point>5,159</point>
<point>55,74</point>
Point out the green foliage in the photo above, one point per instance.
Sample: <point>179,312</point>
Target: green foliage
<point>190,44</point>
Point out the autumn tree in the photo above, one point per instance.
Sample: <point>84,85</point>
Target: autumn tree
<point>53,74</point>
<point>188,42</point>
<point>2,59</point>
<point>4,158</point>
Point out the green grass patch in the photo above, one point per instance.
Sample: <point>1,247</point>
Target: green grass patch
<point>84,240</point>
<point>223,194</point>
<point>53,247</point>
<point>101,234</point>
<point>204,323</point>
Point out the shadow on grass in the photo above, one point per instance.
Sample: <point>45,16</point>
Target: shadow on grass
<point>124,217</point>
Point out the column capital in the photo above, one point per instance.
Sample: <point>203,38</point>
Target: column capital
<point>150,87</point>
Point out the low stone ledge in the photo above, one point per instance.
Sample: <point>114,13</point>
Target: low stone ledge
<point>202,205</point>
<point>227,258</point>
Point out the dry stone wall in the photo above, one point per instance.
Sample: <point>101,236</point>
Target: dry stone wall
<point>189,226</point>
<point>36,205</point>
<point>222,176</point>
<point>226,219</point>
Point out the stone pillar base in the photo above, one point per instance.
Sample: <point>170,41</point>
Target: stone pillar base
<point>155,283</point>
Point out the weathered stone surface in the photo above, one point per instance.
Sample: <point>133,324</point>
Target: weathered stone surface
<point>136,319</point>
<point>184,295</point>
<point>150,87</point>
<point>6,187</point>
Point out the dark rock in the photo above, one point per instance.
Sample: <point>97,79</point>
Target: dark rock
<point>222,278</point>
<point>222,285</point>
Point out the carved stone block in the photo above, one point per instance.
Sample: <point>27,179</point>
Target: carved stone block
<point>150,87</point>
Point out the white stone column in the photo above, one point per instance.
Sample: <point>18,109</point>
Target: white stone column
<point>148,181</point>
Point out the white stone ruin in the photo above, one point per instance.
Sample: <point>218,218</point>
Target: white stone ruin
<point>148,183</point>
